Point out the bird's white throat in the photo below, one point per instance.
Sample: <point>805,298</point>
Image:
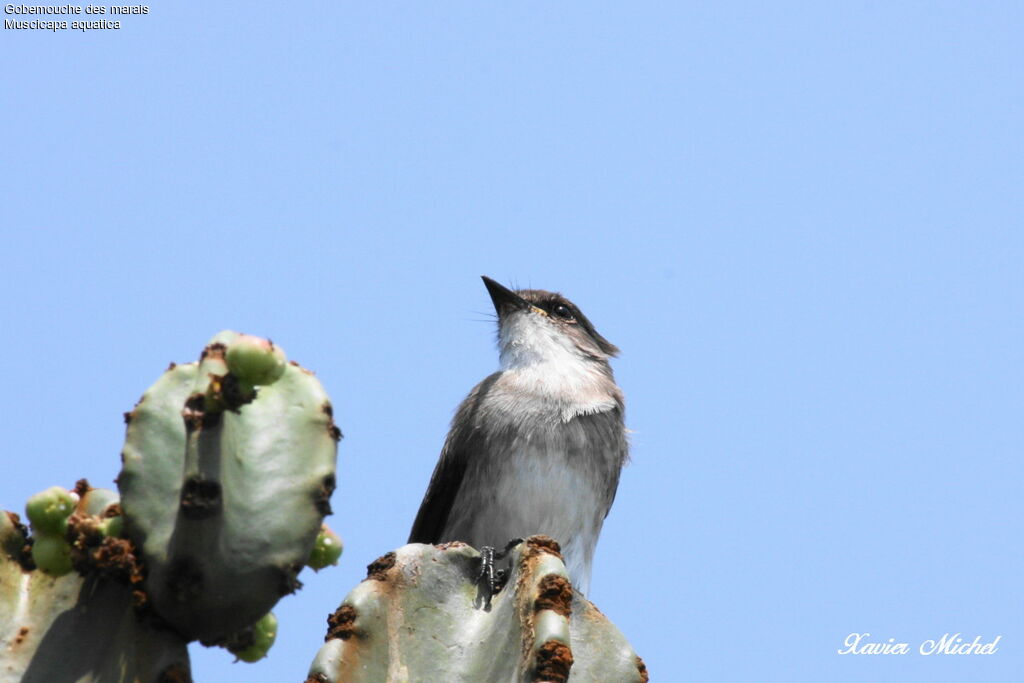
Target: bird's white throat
<point>543,360</point>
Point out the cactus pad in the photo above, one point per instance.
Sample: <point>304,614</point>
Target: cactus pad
<point>419,617</point>
<point>225,487</point>
<point>77,627</point>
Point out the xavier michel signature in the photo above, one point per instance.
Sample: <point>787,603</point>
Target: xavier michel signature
<point>948,644</point>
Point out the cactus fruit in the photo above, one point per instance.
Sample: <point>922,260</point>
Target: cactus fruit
<point>225,483</point>
<point>419,616</point>
<point>81,626</point>
<point>113,527</point>
<point>326,551</point>
<point>48,510</point>
<point>253,643</point>
<point>254,360</point>
<point>52,554</point>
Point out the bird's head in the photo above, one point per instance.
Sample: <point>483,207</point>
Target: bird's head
<point>536,326</point>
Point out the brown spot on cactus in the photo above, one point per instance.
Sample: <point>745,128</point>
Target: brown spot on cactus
<point>554,659</point>
<point>22,634</point>
<point>233,392</point>
<point>18,545</point>
<point>332,428</point>
<point>215,350</point>
<point>128,417</point>
<point>378,569</point>
<point>82,487</point>
<point>341,624</point>
<point>322,496</point>
<point>84,535</point>
<point>25,556</point>
<point>116,558</point>
<point>193,412</point>
<point>200,498</point>
<point>641,669</point>
<point>554,593</point>
<point>540,543</point>
<point>451,545</point>
<point>289,581</point>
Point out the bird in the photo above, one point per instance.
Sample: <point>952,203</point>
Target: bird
<point>536,447</point>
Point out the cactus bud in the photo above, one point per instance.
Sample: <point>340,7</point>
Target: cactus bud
<point>255,360</point>
<point>264,632</point>
<point>48,510</point>
<point>112,527</point>
<point>52,554</point>
<point>326,550</point>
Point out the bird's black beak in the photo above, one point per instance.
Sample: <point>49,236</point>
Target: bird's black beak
<point>504,299</point>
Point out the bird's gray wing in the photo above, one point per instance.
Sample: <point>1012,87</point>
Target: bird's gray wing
<point>599,440</point>
<point>464,439</point>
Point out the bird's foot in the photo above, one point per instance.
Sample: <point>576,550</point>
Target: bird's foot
<point>490,581</point>
<point>487,579</point>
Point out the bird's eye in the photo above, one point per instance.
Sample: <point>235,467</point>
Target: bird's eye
<point>563,312</point>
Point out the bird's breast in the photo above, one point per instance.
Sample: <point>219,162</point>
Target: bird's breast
<point>552,392</point>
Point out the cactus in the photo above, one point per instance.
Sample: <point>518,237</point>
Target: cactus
<point>80,626</point>
<point>225,486</point>
<point>419,616</point>
<point>228,467</point>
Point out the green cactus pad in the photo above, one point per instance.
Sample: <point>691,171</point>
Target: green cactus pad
<point>80,628</point>
<point>225,500</point>
<point>419,616</point>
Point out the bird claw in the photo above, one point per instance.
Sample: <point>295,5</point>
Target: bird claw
<point>490,581</point>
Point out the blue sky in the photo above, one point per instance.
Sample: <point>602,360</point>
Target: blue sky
<point>802,223</point>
